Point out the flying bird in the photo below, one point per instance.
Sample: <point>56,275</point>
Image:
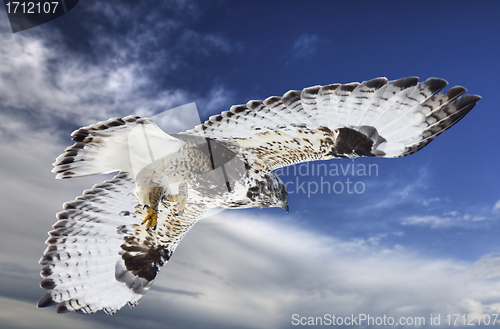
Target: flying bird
<point>108,245</point>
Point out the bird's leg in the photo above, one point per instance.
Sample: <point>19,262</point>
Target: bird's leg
<point>180,198</point>
<point>151,218</point>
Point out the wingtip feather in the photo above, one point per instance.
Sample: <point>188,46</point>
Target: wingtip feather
<point>46,301</point>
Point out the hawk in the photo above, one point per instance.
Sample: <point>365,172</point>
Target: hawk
<point>108,245</point>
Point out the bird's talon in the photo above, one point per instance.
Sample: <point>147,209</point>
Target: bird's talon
<point>151,219</point>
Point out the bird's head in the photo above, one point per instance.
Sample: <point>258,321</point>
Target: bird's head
<point>279,192</point>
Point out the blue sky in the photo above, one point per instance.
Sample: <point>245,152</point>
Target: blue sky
<point>421,239</point>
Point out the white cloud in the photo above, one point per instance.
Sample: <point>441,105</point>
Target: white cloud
<point>305,45</point>
<point>236,270</point>
<point>429,220</point>
<point>19,314</point>
<point>453,213</point>
<point>260,272</point>
<point>239,271</point>
<point>233,270</point>
<point>30,196</point>
<point>217,100</point>
<point>54,82</point>
<point>395,189</point>
<point>451,218</point>
<point>427,202</point>
<point>40,75</point>
<point>446,220</point>
<point>496,207</point>
<point>486,267</point>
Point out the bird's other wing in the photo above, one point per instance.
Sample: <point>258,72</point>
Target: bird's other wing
<point>99,256</point>
<point>119,144</point>
<point>375,118</point>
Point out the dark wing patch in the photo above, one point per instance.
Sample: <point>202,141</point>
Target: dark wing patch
<point>145,252</point>
<point>351,142</point>
<point>99,256</point>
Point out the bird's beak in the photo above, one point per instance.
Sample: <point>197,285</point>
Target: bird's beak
<point>285,206</point>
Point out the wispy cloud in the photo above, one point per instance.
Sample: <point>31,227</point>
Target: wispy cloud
<point>432,221</point>
<point>41,75</point>
<point>12,309</point>
<point>450,219</point>
<point>305,46</point>
<point>496,207</point>
<point>258,272</point>
<point>428,202</point>
<point>391,189</point>
<point>487,267</point>
<point>54,83</point>
<point>247,271</point>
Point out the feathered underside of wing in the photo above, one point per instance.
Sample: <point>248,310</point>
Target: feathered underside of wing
<point>118,144</point>
<point>99,148</point>
<point>99,256</point>
<point>375,118</point>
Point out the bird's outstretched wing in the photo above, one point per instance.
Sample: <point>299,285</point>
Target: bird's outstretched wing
<point>375,118</point>
<point>116,145</point>
<point>99,256</point>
